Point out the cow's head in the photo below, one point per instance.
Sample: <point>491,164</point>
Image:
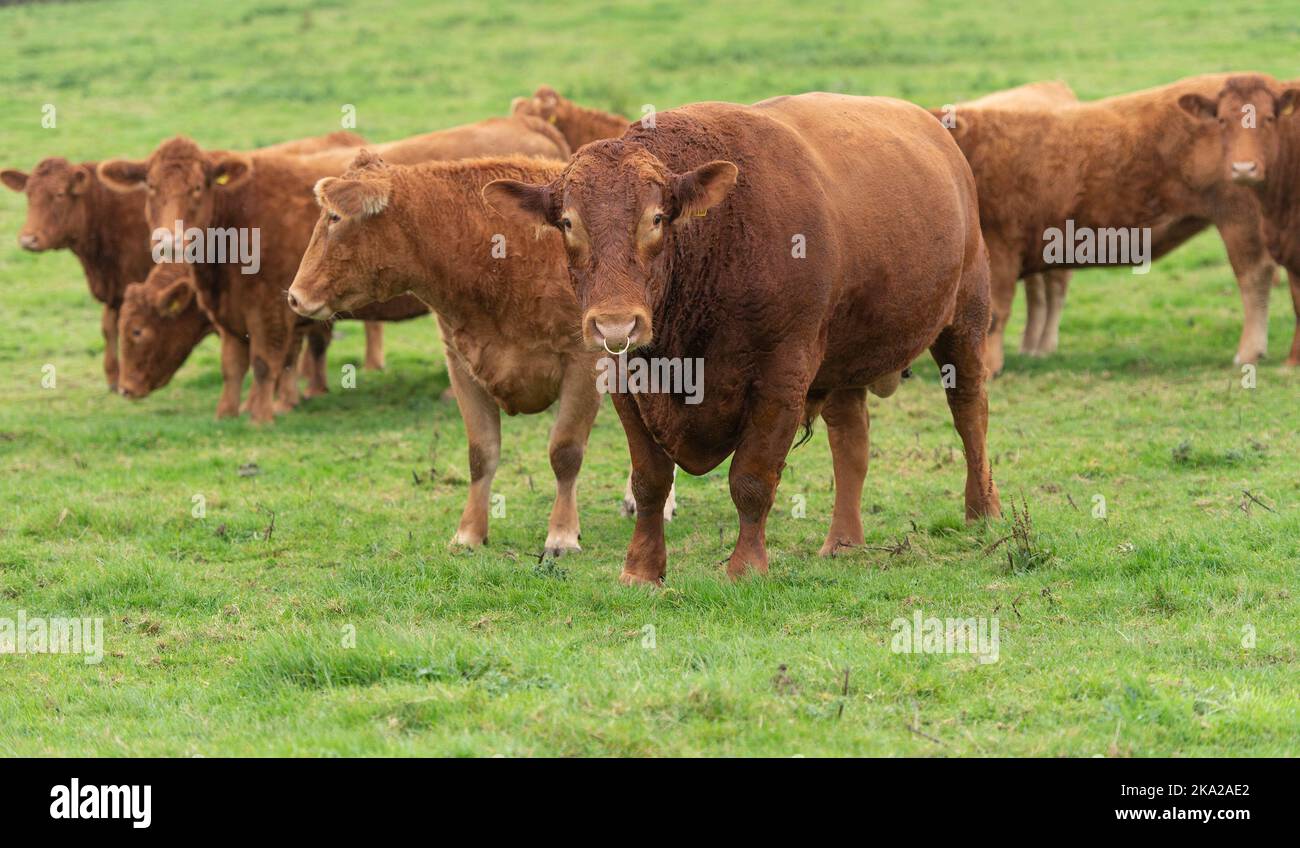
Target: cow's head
<point>56,206</point>
<point>1247,112</point>
<point>544,104</point>
<point>618,208</point>
<point>160,323</point>
<point>355,245</point>
<point>180,181</point>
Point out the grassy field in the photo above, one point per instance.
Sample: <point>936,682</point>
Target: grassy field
<point>317,609</point>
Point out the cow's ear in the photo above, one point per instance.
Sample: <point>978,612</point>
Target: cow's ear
<point>174,298</point>
<point>1287,102</point>
<point>524,203</point>
<point>122,174</point>
<point>79,182</point>
<point>696,192</point>
<point>13,179</point>
<point>1199,107</point>
<point>353,198</point>
<point>230,169</point>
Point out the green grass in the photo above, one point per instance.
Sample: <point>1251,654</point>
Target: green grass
<point>1121,636</point>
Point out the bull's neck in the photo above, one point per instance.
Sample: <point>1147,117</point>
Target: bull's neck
<point>581,125</point>
<point>98,245</point>
<point>1278,195</point>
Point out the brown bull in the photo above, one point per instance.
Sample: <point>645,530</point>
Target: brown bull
<point>1259,127</point>
<point>679,242</point>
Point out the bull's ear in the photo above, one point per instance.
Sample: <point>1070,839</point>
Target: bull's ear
<point>14,180</point>
<point>175,298</point>
<point>1199,107</point>
<point>524,203</point>
<point>696,192</point>
<point>353,198</point>
<point>230,169</point>
<point>1287,102</point>
<point>122,174</point>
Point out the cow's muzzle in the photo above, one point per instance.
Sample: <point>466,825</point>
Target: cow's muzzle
<point>617,331</point>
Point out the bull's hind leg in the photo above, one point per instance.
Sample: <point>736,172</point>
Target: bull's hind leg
<point>847,428</point>
<point>482,419</point>
<point>1036,314</point>
<point>1293,277</point>
<point>579,403</point>
<point>961,346</point>
<point>628,507</point>
<point>312,364</point>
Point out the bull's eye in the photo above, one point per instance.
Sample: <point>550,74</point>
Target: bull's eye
<point>135,334</point>
<point>335,217</point>
<point>566,223</point>
<point>658,219</point>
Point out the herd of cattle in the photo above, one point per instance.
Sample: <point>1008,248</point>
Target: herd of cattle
<point>807,249</point>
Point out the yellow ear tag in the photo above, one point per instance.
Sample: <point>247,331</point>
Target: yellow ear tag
<point>553,119</point>
<point>1288,109</point>
<point>700,214</point>
<point>174,307</point>
<point>223,179</point>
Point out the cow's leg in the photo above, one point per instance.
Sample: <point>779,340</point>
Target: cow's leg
<point>1255,271</point>
<point>959,346</point>
<point>652,480</point>
<point>847,428</point>
<point>268,360</point>
<point>1058,282</point>
<point>108,326</point>
<point>1036,313</point>
<point>482,419</point>
<point>312,364</point>
<point>628,507</point>
<point>1293,277</point>
<point>286,391</point>
<point>374,346</point>
<point>1004,268</point>
<point>579,403</point>
<point>756,470</point>
<point>234,365</point>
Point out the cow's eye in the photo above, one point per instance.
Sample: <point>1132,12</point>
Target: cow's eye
<point>566,223</point>
<point>659,219</point>
<point>135,334</point>
<point>335,217</point>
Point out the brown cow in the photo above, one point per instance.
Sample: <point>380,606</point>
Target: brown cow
<point>1045,292</point>
<point>506,310</point>
<point>160,325</point>
<point>679,240</point>
<point>1256,118</point>
<point>272,194</point>
<point>578,124</point>
<point>1136,162</point>
<point>69,207</point>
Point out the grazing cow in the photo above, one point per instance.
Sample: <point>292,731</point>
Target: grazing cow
<point>69,207</point>
<point>578,124</point>
<point>504,304</point>
<point>1045,292</point>
<point>269,193</point>
<point>1260,131</point>
<point>679,242</point>
<point>1134,164</point>
<point>160,324</point>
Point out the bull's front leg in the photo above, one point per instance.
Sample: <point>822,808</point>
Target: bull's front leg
<point>774,418</point>
<point>652,479</point>
<point>1255,271</point>
<point>108,326</point>
<point>579,403</point>
<point>482,419</point>
<point>847,427</point>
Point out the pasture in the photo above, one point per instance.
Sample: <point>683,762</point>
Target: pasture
<point>316,608</point>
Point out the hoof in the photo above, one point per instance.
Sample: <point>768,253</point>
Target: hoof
<point>834,547</point>
<point>627,578</point>
<point>465,539</point>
